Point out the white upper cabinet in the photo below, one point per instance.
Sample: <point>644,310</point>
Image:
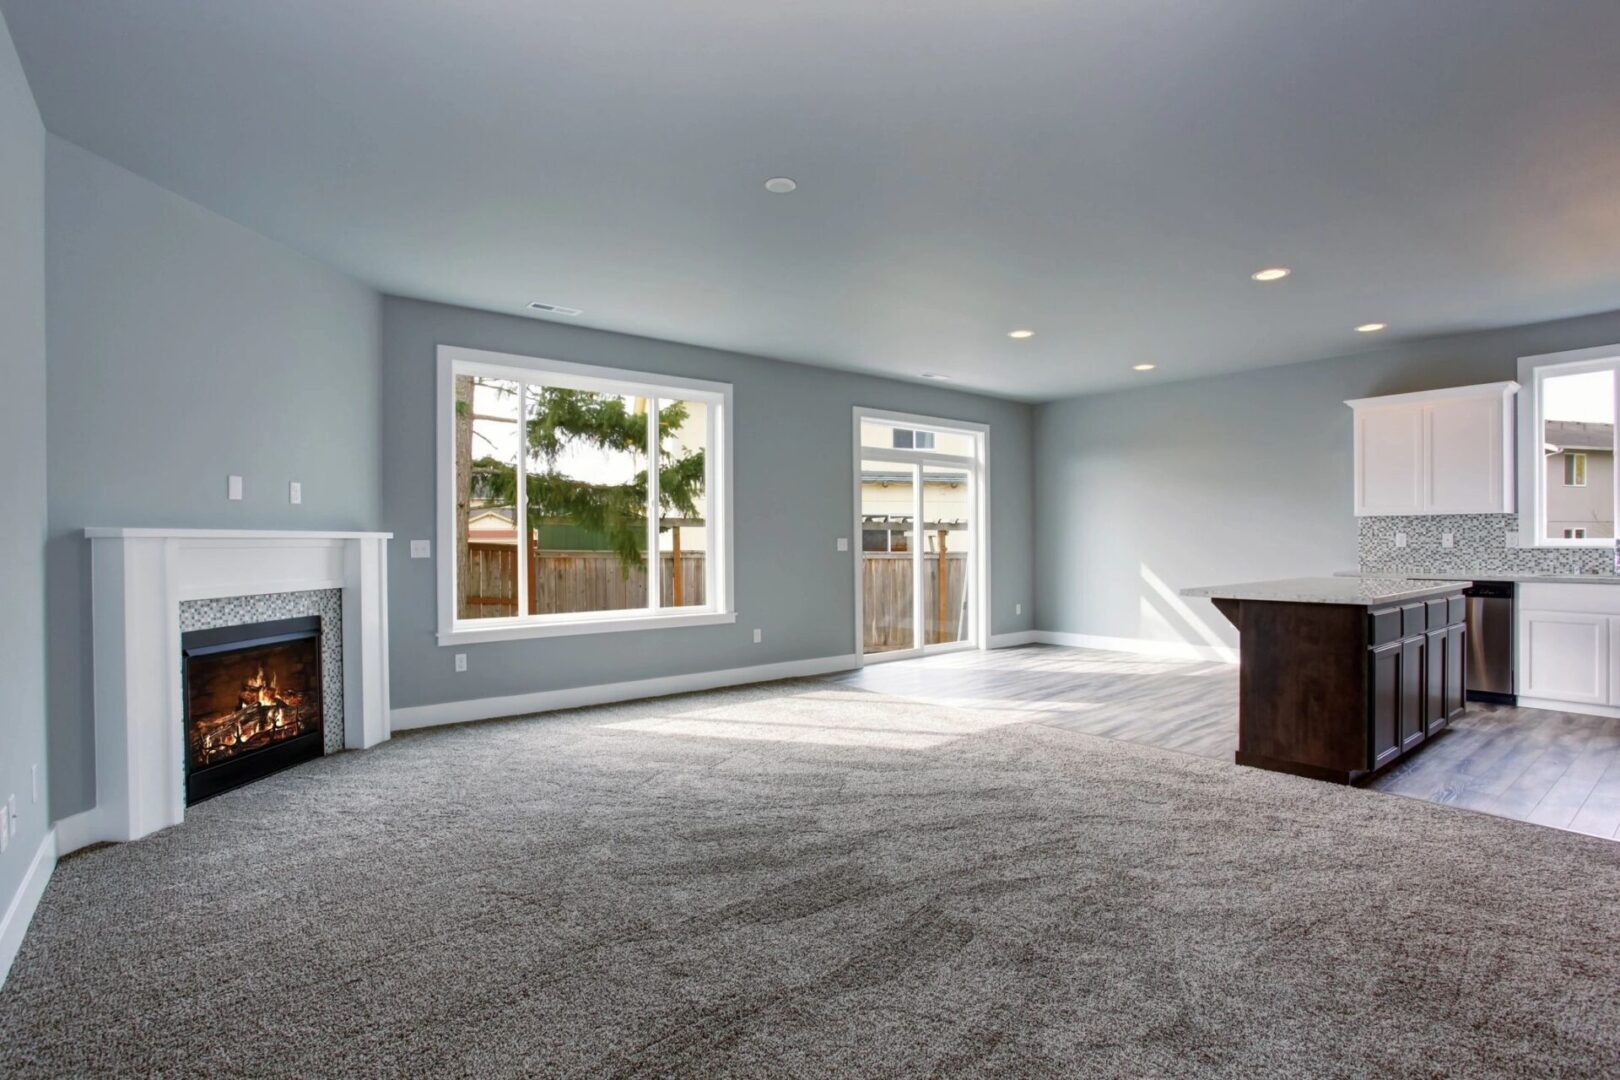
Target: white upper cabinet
<point>1436,452</point>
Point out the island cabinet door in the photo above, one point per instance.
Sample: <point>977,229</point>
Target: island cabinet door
<point>1436,666</point>
<point>1456,671</point>
<point>1412,691</point>
<point>1384,702</point>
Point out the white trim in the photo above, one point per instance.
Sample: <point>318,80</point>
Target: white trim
<point>1532,464</point>
<point>1014,639</point>
<point>719,570</point>
<point>1424,397</point>
<point>78,831</point>
<point>978,466</point>
<point>461,712</point>
<point>607,623</point>
<point>1169,650</point>
<point>20,911</point>
<point>105,532</point>
<point>1578,707</point>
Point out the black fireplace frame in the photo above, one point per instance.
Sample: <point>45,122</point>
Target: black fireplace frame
<point>205,783</point>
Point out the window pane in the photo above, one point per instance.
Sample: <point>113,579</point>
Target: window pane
<point>683,517</point>
<point>947,554</point>
<point>1578,443</point>
<point>587,489</point>
<point>888,508</point>
<point>486,450</point>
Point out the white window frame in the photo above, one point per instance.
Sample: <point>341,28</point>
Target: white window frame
<point>718,569</point>
<point>1533,371</point>
<point>1574,463</point>
<point>978,465</point>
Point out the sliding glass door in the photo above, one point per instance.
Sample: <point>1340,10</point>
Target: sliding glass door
<point>919,501</point>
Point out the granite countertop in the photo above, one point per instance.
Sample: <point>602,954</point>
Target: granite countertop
<point>1358,591</point>
<point>1547,579</point>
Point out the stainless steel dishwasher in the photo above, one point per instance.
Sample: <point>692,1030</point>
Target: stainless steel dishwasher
<point>1490,642</point>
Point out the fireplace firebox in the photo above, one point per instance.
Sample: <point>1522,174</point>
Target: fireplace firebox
<point>253,702</point>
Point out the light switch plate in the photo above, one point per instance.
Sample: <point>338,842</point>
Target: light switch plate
<point>295,493</point>
<point>759,635</point>
<point>1400,539</point>
<point>843,543</point>
<point>421,549</point>
<point>1448,540</point>
<point>1512,538</point>
<point>461,661</point>
<point>233,488</point>
<point>1018,609</point>
<point>5,828</point>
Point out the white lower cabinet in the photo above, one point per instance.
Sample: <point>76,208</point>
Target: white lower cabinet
<point>1569,645</point>
<point>1564,656</point>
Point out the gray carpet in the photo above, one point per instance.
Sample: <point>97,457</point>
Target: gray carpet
<point>808,880</point>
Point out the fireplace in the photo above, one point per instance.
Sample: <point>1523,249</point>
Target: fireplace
<point>252,702</point>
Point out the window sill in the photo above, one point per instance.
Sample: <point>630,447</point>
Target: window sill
<point>516,631</point>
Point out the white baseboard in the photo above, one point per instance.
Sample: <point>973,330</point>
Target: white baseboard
<point>1570,707</point>
<point>460,712</point>
<point>21,909</point>
<point>1014,639</point>
<point>79,831</point>
<point>1168,650</point>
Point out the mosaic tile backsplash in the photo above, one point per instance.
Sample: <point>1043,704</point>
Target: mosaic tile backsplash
<point>1480,547</point>
<point>327,603</point>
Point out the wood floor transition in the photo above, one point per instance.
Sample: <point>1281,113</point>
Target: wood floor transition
<point>1552,768</point>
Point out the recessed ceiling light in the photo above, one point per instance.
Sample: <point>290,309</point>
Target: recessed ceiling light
<point>935,375</point>
<point>1271,273</point>
<point>1371,327</point>
<point>554,309</point>
<point>1020,334</point>
<point>780,185</point>
<point>1142,367</point>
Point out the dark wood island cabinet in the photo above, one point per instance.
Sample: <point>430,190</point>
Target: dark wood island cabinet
<point>1341,677</point>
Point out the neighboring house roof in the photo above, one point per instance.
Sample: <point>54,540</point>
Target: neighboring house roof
<point>502,513</point>
<point>1564,435</point>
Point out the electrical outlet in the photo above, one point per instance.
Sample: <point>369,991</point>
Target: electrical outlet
<point>461,661</point>
<point>1512,538</point>
<point>759,635</point>
<point>1448,540</point>
<point>295,493</point>
<point>1400,539</point>
<point>233,488</point>
<point>421,549</point>
<point>843,543</point>
<point>1018,609</point>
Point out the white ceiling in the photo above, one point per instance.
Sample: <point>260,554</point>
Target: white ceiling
<point>1106,172</point>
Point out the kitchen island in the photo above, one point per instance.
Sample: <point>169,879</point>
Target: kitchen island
<point>1342,676</point>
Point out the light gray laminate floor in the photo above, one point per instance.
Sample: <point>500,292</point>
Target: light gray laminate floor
<point>1550,768</point>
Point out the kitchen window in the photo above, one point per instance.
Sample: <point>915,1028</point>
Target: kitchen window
<point>575,499</point>
<point>1567,477</point>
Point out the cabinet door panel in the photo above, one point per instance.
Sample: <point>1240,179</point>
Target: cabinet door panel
<point>1389,460</point>
<point>1412,678</point>
<point>1564,656</point>
<point>1463,466</point>
<point>1456,671</point>
<point>1384,702</point>
<point>1437,662</point>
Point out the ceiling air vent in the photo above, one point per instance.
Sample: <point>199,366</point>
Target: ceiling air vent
<point>555,309</point>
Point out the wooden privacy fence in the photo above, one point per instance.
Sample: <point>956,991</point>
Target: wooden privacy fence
<point>886,593</point>
<point>566,581</point>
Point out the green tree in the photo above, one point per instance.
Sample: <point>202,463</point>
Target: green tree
<point>559,418</point>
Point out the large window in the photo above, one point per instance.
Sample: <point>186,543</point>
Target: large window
<point>1567,447</point>
<point>576,499</point>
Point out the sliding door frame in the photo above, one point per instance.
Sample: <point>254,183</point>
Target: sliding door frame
<point>978,467</point>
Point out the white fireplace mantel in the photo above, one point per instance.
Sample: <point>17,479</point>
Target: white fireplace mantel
<point>138,579</point>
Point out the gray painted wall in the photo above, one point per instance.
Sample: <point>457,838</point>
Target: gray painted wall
<point>793,499</point>
<point>22,476</point>
<point>1229,479</point>
<point>185,347</point>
